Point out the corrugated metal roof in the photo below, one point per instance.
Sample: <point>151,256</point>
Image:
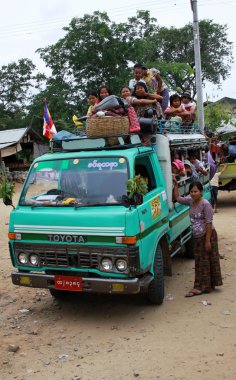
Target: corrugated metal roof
<point>11,137</point>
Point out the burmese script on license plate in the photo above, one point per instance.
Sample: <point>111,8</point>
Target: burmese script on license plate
<point>71,283</point>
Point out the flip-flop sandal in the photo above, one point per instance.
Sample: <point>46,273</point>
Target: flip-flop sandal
<point>193,293</point>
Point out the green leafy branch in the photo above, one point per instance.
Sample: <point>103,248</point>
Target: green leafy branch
<point>6,189</point>
<point>137,185</point>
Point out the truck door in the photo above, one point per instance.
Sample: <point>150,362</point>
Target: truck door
<point>154,210</point>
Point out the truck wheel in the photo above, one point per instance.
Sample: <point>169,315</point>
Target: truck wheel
<point>156,288</point>
<point>188,252</point>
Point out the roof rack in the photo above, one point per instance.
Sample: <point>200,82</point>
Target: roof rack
<point>82,143</point>
<point>69,142</point>
<point>175,127</point>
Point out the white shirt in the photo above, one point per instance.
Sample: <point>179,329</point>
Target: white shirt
<point>215,179</point>
<point>133,82</point>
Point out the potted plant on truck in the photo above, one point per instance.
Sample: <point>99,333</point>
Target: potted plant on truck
<point>137,187</point>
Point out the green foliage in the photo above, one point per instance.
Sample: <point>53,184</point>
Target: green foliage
<point>16,82</point>
<point>6,189</point>
<point>137,185</point>
<point>177,46</point>
<point>88,56</point>
<point>96,51</point>
<point>216,116</point>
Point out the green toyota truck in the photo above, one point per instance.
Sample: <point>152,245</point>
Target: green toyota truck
<point>74,230</point>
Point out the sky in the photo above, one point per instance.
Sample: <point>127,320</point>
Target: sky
<point>27,25</point>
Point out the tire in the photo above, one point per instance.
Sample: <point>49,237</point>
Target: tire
<point>156,288</point>
<point>188,252</point>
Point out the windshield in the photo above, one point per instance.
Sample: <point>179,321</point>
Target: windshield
<point>76,182</point>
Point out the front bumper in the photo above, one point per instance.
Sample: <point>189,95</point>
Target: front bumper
<point>90,285</point>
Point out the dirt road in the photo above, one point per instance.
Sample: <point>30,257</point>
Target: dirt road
<point>108,337</point>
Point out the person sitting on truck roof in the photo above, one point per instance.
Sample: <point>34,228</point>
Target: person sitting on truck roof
<point>103,92</point>
<point>189,106</point>
<point>132,100</point>
<point>141,92</point>
<point>138,73</point>
<point>153,79</point>
<point>92,100</point>
<point>176,109</point>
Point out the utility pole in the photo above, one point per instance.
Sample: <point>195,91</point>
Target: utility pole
<point>198,69</point>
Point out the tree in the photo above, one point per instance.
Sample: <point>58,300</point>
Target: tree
<point>96,51</point>
<point>89,55</point>
<point>18,81</point>
<point>177,46</point>
<point>216,116</point>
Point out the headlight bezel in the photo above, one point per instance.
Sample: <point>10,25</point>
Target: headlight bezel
<point>26,258</point>
<point>123,260</point>
<point>37,260</point>
<point>108,259</point>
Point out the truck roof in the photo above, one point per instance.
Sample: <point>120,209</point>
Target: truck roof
<point>179,139</point>
<point>132,151</point>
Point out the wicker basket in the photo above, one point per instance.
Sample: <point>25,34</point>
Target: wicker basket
<point>107,126</point>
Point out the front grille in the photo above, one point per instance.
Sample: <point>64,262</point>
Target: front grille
<point>71,256</point>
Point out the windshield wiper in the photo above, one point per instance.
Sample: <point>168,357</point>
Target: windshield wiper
<point>90,204</point>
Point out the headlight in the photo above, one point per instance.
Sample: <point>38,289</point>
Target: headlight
<point>106,264</point>
<point>121,265</point>
<point>34,260</point>
<point>23,259</point>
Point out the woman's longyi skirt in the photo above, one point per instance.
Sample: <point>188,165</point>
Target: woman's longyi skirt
<point>207,264</point>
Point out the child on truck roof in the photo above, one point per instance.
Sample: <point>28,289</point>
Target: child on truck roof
<point>189,106</point>
<point>176,108</point>
<point>133,100</point>
<point>92,100</point>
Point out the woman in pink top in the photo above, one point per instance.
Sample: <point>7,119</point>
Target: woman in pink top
<point>205,243</point>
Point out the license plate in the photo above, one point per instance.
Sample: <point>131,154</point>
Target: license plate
<point>71,283</point>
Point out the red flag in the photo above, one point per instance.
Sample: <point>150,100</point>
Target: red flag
<point>48,126</point>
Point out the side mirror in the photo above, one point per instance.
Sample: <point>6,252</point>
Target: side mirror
<point>127,202</point>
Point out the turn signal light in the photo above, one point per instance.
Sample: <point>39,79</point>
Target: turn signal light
<point>14,236</point>
<point>11,235</point>
<point>126,240</point>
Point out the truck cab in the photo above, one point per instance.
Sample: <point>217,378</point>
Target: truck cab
<point>72,231</point>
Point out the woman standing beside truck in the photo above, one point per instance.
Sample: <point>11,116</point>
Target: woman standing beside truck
<point>205,243</point>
